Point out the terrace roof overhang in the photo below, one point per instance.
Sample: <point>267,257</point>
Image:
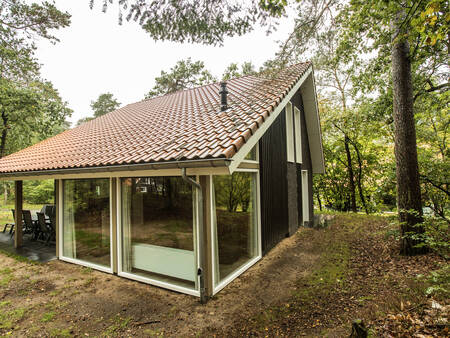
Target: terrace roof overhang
<point>168,168</point>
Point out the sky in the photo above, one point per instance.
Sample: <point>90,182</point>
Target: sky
<point>96,55</point>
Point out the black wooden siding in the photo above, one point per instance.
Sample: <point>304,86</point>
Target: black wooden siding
<point>273,183</point>
<point>281,181</point>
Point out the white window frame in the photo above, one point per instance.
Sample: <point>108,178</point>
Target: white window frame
<point>289,133</point>
<point>305,196</point>
<point>219,286</point>
<point>61,231</point>
<point>298,135</point>
<point>148,280</point>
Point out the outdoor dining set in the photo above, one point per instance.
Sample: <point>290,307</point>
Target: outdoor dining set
<point>41,226</point>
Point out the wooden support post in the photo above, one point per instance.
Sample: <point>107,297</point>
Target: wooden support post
<point>205,182</point>
<point>114,224</point>
<point>18,198</point>
<point>58,210</point>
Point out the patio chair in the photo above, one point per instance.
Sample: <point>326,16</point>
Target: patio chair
<point>52,226</point>
<point>28,222</point>
<point>45,232</point>
<point>49,210</point>
<point>11,225</point>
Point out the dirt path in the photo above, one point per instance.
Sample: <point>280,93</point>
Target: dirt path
<point>314,283</point>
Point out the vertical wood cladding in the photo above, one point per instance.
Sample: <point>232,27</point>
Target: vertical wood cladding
<point>273,173</point>
<point>281,181</point>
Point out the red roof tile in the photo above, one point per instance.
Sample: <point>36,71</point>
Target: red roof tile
<point>184,125</point>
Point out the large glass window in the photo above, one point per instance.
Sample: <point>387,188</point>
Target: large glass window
<point>86,223</point>
<point>157,229</point>
<point>236,222</point>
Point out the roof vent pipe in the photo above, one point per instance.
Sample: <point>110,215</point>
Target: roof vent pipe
<point>223,96</point>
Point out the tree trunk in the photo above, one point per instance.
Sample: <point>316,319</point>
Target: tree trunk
<point>319,201</point>
<point>4,134</point>
<point>409,201</point>
<point>359,180</point>
<point>351,175</point>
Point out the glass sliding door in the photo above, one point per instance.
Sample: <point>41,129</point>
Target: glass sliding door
<point>86,221</point>
<point>157,232</point>
<point>236,233</point>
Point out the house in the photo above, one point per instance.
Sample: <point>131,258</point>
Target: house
<point>184,191</point>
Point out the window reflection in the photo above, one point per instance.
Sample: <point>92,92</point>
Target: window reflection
<point>86,227</point>
<point>235,215</point>
<point>157,229</point>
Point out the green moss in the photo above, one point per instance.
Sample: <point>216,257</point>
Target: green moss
<point>330,272</point>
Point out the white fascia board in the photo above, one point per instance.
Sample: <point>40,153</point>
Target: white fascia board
<point>128,173</point>
<point>309,97</point>
<point>253,140</point>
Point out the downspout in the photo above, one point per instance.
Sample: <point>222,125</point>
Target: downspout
<point>201,263</point>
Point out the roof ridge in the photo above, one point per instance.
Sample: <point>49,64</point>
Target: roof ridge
<point>218,82</point>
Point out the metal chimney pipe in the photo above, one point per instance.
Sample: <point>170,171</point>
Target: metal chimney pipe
<point>223,96</point>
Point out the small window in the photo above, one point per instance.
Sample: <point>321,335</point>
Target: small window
<point>305,195</point>
<point>251,156</point>
<point>298,135</point>
<point>289,133</point>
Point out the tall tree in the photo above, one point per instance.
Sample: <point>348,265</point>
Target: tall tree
<point>409,201</point>
<point>30,108</point>
<point>247,68</point>
<point>185,74</point>
<point>104,104</point>
<point>389,30</point>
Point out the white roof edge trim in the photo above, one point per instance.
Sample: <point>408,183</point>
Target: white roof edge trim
<point>253,140</point>
<point>318,164</point>
<point>310,106</point>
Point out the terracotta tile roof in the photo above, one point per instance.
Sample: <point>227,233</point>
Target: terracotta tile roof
<point>185,125</point>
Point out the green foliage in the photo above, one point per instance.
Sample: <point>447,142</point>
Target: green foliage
<point>436,235</point>
<point>39,192</point>
<point>202,21</point>
<point>232,71</point>
<point>185,74</point>
<point>439,282</point>
<point>104,104</point>
<point>83,120</point>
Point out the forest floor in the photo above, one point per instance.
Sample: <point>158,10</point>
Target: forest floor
<point>314,283</point>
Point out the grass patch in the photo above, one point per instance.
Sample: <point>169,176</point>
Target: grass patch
<point>6,276</point>
<point>60,332</point>
<point>18,258</point>
<point>9,318</point>
<point>86,270</point>
<point>48,316</point>
<point>118,324</point>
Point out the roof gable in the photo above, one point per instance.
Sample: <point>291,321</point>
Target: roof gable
<point>183,126</point>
